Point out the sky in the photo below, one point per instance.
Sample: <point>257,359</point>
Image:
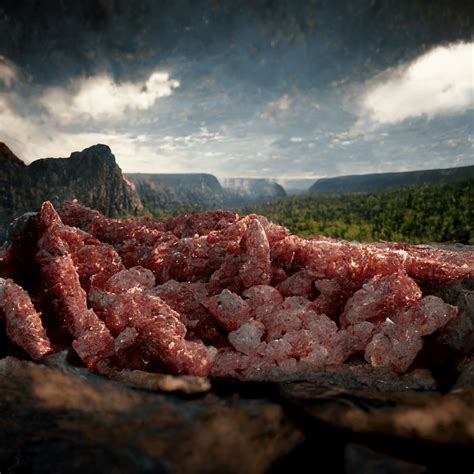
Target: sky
<point>275,89</point>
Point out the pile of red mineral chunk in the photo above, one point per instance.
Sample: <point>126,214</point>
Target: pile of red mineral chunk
<point>217,294</point>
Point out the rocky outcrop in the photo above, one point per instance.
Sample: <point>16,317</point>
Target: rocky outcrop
<point>252,190</point>
<point>92,176</point>
<point>172,191</point>
<point>55,418</point>
<point>56,422</point>
<point>369,183</point>
<point>202,191</point>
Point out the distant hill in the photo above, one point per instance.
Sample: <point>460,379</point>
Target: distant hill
<point>92,176</point>
<point>202,191</point>
<point>369,183</point>
<point>170,191</point>
<point>295,186</point>
<point>435,212</point>
<point>241,191</point>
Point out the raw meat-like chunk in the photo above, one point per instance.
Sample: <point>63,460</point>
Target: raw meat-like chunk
<point>222,294</point>
<point>23,324</point>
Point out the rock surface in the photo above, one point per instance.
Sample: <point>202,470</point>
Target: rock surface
<point>60,418</point>
<point>92,176</point>
<point>174,191</point>
<point>202,191</point>
<point>53,422</point>
<point>242,191</point>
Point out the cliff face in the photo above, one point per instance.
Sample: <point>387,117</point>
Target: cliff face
<point>368,183</point>
<point>252,190</point>
<point>92,176</point>
<point>178,190</point>
<point>202,190</point>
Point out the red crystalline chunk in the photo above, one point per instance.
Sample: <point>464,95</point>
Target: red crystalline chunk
<point>93,340</point>
<point>76,215</point>
<point>299,284</point>
<point>226,277</point>
<point>256,267</point>
<point>96,264</point>
<point>163,247</point>
<point>283,252</point>
<point>332,296</point>
<point>200,223</point>
<point>188,261</point>
<point>208,330</point>
<point>358,336</point>
<point>263,299</point>
<point>286,317</point>
<point>379,296</point>
<point>125,339</point>
<point>23,324</point>
<point>222,294</point>
<point>398,339</point>
<point>228,309</point>
<point>185,298</point>
<point>160,332</point>
<point>248,337</point>
<point>229,363</point>
<point>115,231</point>
<point>133,278</point>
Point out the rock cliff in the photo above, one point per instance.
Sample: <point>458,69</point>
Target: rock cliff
<point>203,191</point>
<point>370,183</point>
<point>251,190</point>
<point>178,190</point>
<point>92,176</point>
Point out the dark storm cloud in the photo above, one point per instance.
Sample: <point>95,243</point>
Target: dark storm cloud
<point>268,41</point>
<point>249,87</point>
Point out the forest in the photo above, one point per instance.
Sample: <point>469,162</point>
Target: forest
<point>415,214</point>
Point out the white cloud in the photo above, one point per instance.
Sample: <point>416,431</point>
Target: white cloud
<point>101,98</point>
<point>275,107</point>
<point>180,142</point>
<point>7,73</point>
<point>31,139</point>
<point>296,139</point>
<point>438,82</point>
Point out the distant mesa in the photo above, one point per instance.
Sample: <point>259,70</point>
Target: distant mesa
<point>369,183</point>
<point>252,190</point>
<point>92,176</point>
<point>203,191</point>
<point>173,191</point>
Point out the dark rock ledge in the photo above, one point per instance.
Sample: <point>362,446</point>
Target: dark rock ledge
<point>59,418</point>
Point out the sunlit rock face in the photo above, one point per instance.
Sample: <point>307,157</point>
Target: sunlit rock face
<point>92,176</point>
<point>202,191</point>
<point>178,190</point>
<point>225,295</point>
<point>242,191</point>
<point>369,183</point>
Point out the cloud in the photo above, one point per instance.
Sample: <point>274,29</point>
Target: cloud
<point>31,138</point>
<point>276,107</point>
<point>7,73</point>
<point>100,98</point>
<point>439,82</point>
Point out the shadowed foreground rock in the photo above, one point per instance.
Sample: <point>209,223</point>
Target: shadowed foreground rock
<point>60,418</point>
<point>56,422</point>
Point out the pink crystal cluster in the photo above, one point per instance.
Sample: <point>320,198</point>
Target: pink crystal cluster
<point>220,294</point>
